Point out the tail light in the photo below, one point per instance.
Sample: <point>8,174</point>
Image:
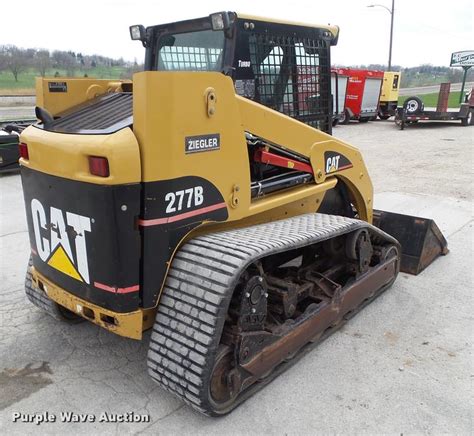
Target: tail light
<point>23,150</point>
<point>99,166</point>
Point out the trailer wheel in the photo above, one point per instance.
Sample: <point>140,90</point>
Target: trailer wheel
<point>413,105</point>
<point>399,121</point>
<point>344,117</point>
<point>468,119</point>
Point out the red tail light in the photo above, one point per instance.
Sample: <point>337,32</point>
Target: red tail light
<point>23,150</point>
<point>99,166</point>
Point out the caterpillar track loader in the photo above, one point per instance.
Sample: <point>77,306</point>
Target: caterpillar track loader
<point>207,200</point>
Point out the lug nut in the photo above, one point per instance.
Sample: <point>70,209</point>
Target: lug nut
<point>260,279</point>
<point>247,295</point>
<point>254,310</point>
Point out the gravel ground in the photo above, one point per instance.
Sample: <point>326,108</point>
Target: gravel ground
<point>403,365</point>
<point>17,113</point>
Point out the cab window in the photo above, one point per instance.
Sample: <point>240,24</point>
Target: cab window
<point>193,51</point>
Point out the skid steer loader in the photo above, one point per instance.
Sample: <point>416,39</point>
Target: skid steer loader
<point>206,200</point>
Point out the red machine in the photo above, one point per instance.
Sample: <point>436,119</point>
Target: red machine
<point>363,93</point>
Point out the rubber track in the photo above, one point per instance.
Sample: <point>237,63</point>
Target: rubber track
<point>43,302</point>
<point>198,289</point>
<point>39,297</point>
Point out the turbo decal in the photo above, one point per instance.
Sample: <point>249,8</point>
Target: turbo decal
<point>54,247</point>
<point>244,64</point>
<point>336,162</point>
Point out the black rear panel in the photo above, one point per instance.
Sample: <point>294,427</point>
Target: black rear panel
<point>84,237</point>
<point>102,115</point>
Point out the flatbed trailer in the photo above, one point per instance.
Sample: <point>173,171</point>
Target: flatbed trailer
<point>413,111</point>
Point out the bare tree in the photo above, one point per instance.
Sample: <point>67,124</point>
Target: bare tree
<point>42,61</point>
<point>15,59</point>
<point>3,61</point>
<point>65,60</point>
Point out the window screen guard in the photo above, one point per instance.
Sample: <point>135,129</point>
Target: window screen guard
<point>292,76</point>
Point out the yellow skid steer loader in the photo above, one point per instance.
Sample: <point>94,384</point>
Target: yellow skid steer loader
<point>207,200</point>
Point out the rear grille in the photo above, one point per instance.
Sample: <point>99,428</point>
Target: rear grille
<point>105,114</point>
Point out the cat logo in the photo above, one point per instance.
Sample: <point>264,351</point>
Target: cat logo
<point>332,163</point>
<point>336,162</point>
<point>54,246</point>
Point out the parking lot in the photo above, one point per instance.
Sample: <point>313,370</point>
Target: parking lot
<point>403,365</point>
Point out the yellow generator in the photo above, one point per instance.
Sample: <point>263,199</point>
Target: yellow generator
<point>389,94</point>
<point>206,200</point>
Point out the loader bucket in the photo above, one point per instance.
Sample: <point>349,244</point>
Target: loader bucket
<point>421,239</point>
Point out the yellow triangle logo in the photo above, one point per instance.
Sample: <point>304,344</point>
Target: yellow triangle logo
<point>61,262</point>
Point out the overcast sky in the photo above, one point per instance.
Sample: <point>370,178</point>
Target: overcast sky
<point>425,31</point>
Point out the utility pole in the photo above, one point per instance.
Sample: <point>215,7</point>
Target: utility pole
<point>392,13</point>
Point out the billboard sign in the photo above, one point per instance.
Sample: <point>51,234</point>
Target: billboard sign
<point>462,59</point>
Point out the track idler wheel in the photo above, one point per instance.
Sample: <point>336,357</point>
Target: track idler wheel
<point>359,248</point>
<point>225,384</point>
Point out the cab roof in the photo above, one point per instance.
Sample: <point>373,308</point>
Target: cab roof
<point>331,28</point>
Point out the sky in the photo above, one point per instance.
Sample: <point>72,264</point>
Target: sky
<point>425,31</point>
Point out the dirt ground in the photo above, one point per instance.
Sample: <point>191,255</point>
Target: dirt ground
<point>402,366</point>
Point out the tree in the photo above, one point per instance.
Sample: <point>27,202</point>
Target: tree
<point>3,61</point>
<point>42,61</point>
<point>65,60</point>
<point>455,75</point>
<point>15,59</point>
<point>130,70</point>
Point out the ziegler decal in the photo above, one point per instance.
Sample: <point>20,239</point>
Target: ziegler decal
<point>57,86</point>
<point>196,144</point>
<point>54,247</point>
<point>336,162</point>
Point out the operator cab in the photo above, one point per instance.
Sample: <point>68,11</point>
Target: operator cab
<point>282,65</point>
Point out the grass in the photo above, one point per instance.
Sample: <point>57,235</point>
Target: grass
<point>26,80</point>
<point>431,100</point>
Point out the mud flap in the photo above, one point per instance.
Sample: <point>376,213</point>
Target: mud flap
<point>421,239</point>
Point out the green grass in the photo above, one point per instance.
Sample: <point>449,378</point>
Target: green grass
<point>26,80</point>
<point>431,100</point>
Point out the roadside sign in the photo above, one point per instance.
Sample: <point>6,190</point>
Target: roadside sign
<point>462,59</point>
